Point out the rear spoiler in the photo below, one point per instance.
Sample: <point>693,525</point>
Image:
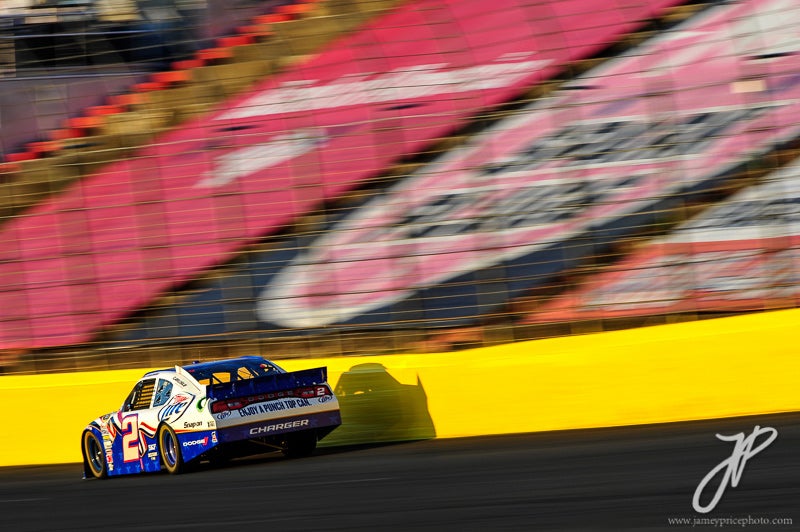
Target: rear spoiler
<point>268,384</point>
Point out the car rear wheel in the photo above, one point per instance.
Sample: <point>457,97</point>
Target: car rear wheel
<point>170,450</point>
<point>300,445</point>
<point>93,455</point>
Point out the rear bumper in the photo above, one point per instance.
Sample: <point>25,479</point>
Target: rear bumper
<point>273,427</point>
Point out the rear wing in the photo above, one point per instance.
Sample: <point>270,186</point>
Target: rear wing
<point>266,384</point>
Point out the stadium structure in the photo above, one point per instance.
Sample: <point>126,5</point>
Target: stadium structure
<point>189,179</point>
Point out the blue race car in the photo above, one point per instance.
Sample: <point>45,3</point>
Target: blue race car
<point>211,411</point>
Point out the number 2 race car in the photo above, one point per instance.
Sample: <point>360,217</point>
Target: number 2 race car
<point>211,411</point>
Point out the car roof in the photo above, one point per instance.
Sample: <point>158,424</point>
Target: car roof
<point>223,364</point>
<point>218,365</point>
<point>158,373</point>
<point>199,369</point>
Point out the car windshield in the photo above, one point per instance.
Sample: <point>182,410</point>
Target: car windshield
<point>231,370</point>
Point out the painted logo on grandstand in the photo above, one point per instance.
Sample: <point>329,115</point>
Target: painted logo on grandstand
<point>244,161</point>
<point>558,169</point>
<point>770,209</point>
<point>686,279</point>
<point>403,83</point>
<point>195,228</point>
<point>740,254</point>
<point>442,223</point>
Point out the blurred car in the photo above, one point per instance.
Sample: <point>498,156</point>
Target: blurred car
<point>211,411</point>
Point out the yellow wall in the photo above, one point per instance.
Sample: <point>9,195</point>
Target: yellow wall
<point>700,370</point>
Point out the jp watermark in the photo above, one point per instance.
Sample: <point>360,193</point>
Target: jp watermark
<point>731,469</point>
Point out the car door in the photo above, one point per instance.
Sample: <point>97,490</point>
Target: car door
<point>138,420</point>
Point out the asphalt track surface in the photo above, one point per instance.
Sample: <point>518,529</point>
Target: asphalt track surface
<point>634,478</point>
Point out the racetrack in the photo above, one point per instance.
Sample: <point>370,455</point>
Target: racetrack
<point>622,478</point>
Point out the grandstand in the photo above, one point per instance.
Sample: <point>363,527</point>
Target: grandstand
<point>336,177</point>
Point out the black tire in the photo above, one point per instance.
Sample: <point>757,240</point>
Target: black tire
<point>300,445</point>
<point>94,455</point>
<point>169,450</point>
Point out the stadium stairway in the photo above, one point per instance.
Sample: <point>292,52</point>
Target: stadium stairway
<point>127,121</point>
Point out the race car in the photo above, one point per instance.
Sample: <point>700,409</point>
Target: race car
<point>214,411</point>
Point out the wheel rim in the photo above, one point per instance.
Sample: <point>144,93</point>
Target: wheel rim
<point>94,453</point>
<point>168,446</point>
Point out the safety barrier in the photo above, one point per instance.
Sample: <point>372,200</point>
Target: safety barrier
<point>690,371</point>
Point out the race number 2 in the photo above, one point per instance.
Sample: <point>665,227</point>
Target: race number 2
<point>130,438</point>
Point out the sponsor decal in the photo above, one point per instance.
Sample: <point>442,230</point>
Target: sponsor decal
<point>201,403</point>
<point>179,381</point>
<point>223,415</point>
<point>175,407</point>
<point>151,447</point>
<point>192,443</point>
<point>214,437</point>
<point>192,424</point>
<point>268,427</point>
<point>265,429</point>
<point>273,406</point>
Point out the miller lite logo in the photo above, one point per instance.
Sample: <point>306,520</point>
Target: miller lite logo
<point>175,408</point>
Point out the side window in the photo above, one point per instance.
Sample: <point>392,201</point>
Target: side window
<point>140,396</point>
<point>163,391</point>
